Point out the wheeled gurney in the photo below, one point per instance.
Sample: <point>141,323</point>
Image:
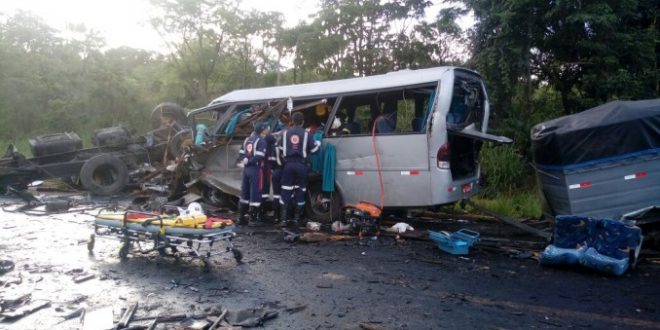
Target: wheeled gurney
<point>199,235</point>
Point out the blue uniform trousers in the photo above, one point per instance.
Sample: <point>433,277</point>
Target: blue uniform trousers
<point>294,182</point>
<point>252,185</point>
<point>272,175</point>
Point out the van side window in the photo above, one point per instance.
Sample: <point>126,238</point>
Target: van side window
<point>467,103</point>
<point>387,112</point>
<point>316,116</point>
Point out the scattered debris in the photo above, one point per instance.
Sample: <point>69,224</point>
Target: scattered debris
<point>152,325</point>
<point>295,309</point>
<point>127,317</point>
<point>250,317</point>
<point>455,243</point>
<point>512,222</point>
<point>313,226</point>
<point>314,237</point>
<point>219,319</point>
<point>57,205</point>
<point>400,228</point>
<point>83,278</point>
<point>6,266</point>
<point>29,308</point>
<point>605,245</point>
<point>372,325</point>
<point>192,324</point>
<point>290,236</point>
<point>77,313</point>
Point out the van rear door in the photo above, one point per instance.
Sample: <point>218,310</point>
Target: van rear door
<point>471,131</point>
<point>467,120</point>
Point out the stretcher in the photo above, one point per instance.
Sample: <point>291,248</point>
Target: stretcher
<point>148,232</point>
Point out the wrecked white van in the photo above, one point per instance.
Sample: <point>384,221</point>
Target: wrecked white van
<point>404,139</point>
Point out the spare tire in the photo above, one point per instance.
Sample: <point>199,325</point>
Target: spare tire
<point>104,175</point>
<point>168,109</point>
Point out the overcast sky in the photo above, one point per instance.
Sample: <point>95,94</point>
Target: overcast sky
<point>124,22</point>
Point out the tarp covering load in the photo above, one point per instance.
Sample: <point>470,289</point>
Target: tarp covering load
<point>612,131</point>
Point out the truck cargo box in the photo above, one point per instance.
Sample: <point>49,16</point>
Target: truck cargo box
<point>603,162</point>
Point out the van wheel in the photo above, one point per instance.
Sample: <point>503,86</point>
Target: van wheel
<point>104,175</point>
<point>322,206</point>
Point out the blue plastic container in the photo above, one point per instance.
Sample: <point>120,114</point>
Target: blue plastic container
<point>457,243</point>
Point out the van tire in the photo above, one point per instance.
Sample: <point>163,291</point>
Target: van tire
<point>312,208</point>
<point>104,175</point>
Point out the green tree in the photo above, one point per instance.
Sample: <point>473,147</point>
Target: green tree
<point>589,51</point>
<point>198,33</point>
<point>355,37</point>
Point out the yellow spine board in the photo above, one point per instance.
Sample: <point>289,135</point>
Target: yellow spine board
<point>197,221</point>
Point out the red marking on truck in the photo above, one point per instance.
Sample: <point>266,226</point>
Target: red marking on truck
<point>585,184</point>
<point>637,175</point>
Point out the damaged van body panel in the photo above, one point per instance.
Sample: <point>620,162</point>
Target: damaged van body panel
<point>220,170</point>
<point>426,126</point>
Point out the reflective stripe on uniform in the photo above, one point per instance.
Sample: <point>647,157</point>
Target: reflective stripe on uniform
<point>277,156</point>
<point>255,204</point>
<point>284,142</point>
<point>317,144</point>
<point>243,201</point>
<point>276,196</point>
<point>304,145</point>
<point>287,187</point>
<point>255,152</point>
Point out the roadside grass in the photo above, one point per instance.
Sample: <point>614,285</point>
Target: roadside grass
<point>517,206</point>
<point>522,205</point>
<point>20,143</point>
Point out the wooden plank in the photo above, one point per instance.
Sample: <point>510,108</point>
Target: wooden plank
<point>513,222</point>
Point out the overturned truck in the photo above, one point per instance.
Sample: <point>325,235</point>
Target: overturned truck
<point>405,139</point>
<point>104,169</point>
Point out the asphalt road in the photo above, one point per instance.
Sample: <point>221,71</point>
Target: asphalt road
<point>332,285</point>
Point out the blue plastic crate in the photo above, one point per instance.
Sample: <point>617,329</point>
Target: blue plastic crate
<point>457,243</point>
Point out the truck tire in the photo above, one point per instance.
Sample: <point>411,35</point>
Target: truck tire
<point>321,206</point>
<point>104,175</point>
<point>180,140</point>
<point>169,109</point>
